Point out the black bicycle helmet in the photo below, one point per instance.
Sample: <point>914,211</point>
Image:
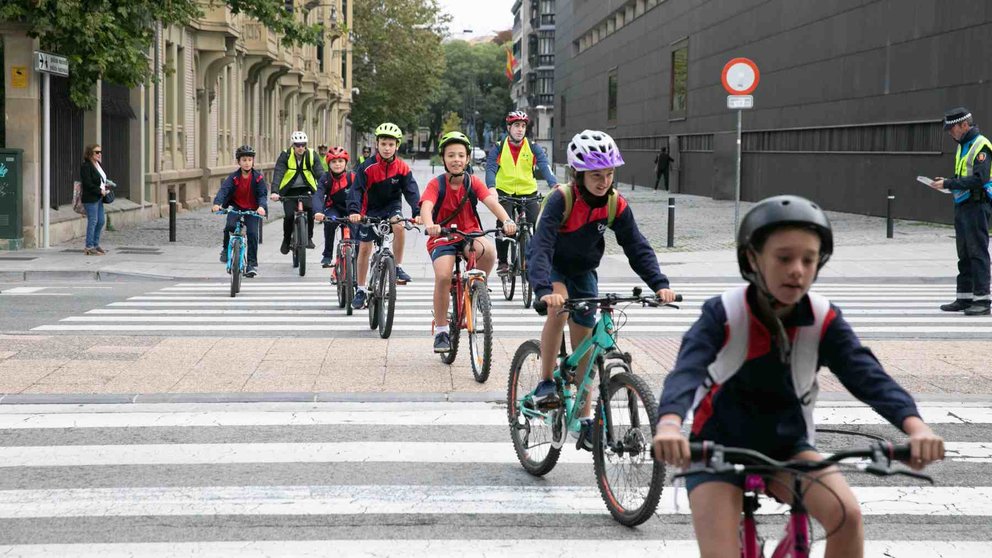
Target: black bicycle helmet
<point>244,151</point>
<point>779,211</point>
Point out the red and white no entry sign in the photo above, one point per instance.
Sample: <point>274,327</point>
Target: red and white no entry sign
<point>740,76</point>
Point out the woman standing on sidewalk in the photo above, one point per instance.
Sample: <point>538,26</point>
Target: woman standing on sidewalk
<point>94,187</point>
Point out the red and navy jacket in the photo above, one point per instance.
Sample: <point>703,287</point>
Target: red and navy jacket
<point>577,245</point>
<point>379,184</point>
<point>758,407</point>
<point>333,191</point>
<point>245,194</point>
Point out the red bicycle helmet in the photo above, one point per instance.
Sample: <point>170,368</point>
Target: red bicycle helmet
<point>517,116</point>
<point>337,152</point>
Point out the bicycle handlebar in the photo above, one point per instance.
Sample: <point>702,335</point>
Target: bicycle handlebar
<point>447,232</point>
<point>720,459</point>
<point>227,210</point>
<point>606,301</point>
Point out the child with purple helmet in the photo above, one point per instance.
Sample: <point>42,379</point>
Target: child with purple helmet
<point>568,246</point>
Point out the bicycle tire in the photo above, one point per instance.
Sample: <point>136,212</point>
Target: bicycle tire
<point>301,247</point>
<point>481,315</point>
<point>352,281</point>
<point>235,258</point>
<point>387,297</point>
<point>541,466</point>
<point>637,441</point>
<point>526,290</point>
<point>509,279</point>
<point>340,271</point>
<point>454,329</point>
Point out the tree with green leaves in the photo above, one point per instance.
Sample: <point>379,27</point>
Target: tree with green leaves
<point>473,82</point>
<point>109,39</point>
<point>398,60</point>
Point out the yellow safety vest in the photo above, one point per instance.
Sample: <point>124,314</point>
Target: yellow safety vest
<point>291,170</point>
<point>516,179</point>
<point>964,165</point>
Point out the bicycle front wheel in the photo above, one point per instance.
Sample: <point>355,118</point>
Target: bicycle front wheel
<point>526,291</point>
<point>387,297</point>
<point>534,436</point>
<point>480,332</point>
<point>340,272</point>
<point>234,256</point>
<point>454,328</point>
<point>301,246</point>
<point>509,279</point>
<point>629,479</point>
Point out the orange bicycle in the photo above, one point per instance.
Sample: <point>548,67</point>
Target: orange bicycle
<point>470,308</point>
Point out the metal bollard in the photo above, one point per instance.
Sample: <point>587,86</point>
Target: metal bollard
<point>173,205</point>
<point>671,222</point>
<point>633,183</point>
<point>888,214</point>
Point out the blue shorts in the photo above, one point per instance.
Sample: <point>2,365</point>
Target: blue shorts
<point>737,479</point>
<point>367,233</point>
<point>446,250</point>
<point>584,285</point>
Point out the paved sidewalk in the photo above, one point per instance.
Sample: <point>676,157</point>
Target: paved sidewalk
<point>703,246</point>
<point>400,367</point>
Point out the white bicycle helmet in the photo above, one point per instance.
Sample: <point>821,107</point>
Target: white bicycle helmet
<point>299,137</point>
<point>593,150</point>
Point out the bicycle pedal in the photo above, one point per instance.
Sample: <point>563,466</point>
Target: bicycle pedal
<point>549,404</point>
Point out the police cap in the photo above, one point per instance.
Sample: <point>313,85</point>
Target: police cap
<point>955,115</point>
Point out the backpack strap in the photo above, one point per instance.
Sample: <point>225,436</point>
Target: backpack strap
<point>442,190</point>
<point>612,203</point>
<point>568,196</point>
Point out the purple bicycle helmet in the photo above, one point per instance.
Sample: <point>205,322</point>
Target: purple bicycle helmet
<point>592,150</point>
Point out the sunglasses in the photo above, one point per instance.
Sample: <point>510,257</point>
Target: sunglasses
<point>97,152</point>
<point>299,145</point>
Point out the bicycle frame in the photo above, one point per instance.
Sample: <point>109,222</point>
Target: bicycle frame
<point>596,344</point>
<point>462,287</point>
<point>239,230</point>
<point>795,542</point>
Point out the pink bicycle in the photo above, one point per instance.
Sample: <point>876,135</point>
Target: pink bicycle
<point>757,467</point>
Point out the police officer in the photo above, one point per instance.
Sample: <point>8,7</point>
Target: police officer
<point>972,189</point>
<point>297,172</point>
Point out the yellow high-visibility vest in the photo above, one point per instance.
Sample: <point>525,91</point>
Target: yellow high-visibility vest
<point>516,179</point>
<point>307,170</point>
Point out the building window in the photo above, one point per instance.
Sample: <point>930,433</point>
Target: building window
<point>680,79</point>
<point>611,98</point>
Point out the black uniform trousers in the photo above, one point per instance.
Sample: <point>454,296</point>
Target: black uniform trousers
<point>971,231</point>
<point>531,209</point>
<point>251,228</point>
<point>289,207</point>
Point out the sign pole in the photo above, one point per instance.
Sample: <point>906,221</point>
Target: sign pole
<point>737,189</point>
<point>46,173</point>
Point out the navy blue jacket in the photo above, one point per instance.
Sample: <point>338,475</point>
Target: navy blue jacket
<point>225,196</point>
<point>577,245</point>
<point>758,408</point>
<point>381,184</point>
<point>974,183</point>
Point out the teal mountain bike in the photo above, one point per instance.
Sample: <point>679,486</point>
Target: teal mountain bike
<point>237,249</point>
<point>629,479</point>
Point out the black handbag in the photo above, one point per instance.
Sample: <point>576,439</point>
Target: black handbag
<point>110,196</point>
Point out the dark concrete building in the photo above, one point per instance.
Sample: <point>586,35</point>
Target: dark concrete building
<point>849,103</point>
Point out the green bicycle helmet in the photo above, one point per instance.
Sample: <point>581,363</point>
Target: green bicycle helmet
<point>389,130</point>
<point>454,137</point>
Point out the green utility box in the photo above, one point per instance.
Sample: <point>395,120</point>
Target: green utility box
<point>11,188</point>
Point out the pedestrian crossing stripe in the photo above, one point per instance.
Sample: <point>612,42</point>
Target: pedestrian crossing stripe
<point>449,548</point>
<point>136,415</point>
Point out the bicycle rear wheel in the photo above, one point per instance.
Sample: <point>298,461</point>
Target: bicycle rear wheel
<point>534,437</point>
<point>453,328</point>
<point>234,256</point>
<point>480,332</point>
<point>629,479</point>
<point>301,246</point>
<point>387,297</point>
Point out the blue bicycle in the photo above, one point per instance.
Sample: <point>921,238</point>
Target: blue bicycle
<point>237,249</point>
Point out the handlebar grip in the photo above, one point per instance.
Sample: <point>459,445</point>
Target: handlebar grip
<point>700,451</point>
<point>899,452</point>
<point>678,298</point>
<point>541,307</point>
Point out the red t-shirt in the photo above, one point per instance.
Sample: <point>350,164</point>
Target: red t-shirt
<point>244,195</point>
<point>465,221</point>
<point>515,150</point>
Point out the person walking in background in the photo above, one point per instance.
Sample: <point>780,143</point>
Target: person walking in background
<point>662,164</point>
<point>94,187</point>
<point>972,189</point>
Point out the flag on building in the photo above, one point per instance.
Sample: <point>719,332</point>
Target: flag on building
<point>511,63</point>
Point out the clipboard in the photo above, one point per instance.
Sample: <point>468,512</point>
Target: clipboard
<point>929,182</point>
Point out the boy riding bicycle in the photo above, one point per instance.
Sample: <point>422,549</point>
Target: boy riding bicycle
<point>510,168</point>
<point>455,208</point>
<point>331,198</point>
<point>244,190</point>
<point>568,246</point>
<point>747,369</point>
<point>380,182</point>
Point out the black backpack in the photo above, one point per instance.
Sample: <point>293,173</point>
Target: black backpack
<point>470,197</point>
